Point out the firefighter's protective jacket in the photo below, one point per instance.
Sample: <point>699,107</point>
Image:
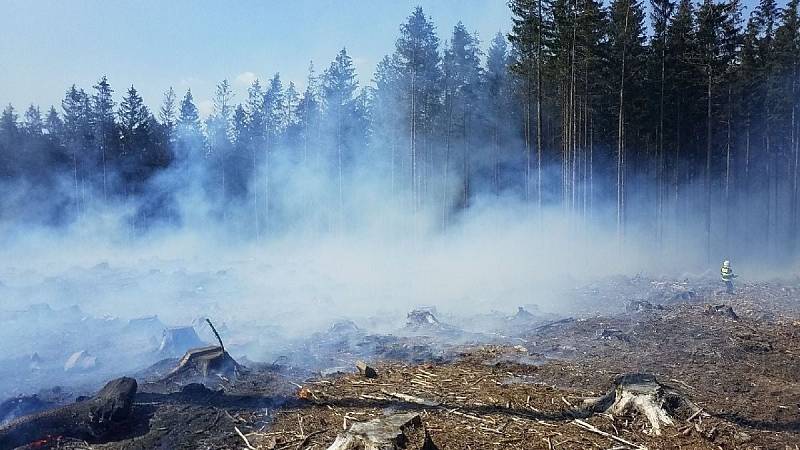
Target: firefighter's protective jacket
<point>726,273</point>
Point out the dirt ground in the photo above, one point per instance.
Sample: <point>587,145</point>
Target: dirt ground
<point>735,357</point>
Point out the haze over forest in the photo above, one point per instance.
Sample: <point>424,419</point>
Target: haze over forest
<point>671,126</point>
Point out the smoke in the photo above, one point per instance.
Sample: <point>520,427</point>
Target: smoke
<point>305,242</point>
<point>371,259</point>
<point>359,246</point>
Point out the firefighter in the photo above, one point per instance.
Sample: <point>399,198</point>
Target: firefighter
<point>727,276</point>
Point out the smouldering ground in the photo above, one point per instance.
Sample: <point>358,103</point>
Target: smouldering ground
<point>739,365</point>
<point>743,372</point>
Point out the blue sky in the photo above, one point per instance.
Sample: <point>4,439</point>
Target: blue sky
<point>47,45</point>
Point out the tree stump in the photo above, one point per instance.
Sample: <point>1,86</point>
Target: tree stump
<point>366,370</point>
<point>395,432</point>
<point>641,393</point>
<point>203,362</point>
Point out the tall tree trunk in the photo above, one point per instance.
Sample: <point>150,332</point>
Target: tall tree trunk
<point>267,186</point>
<point>445,174</point>
<point>413,144</point>
<point>495,157</point>
<point>466,180</point>
<point>539,54</point>
<point>224,196</point>
<point>708,165</point>
<point>660,168</point>
<point>728,164</point>
<point>255,197</point>
<point>677,168</point>
<point>591,164</point>
<point>340,212</point>
<point>103,151</point>
<point>527,131</point>
<point>770,175</point>
<point>621,137</point>
<point>75,181</point>
<point>795,148</point>
<point>573,119</point>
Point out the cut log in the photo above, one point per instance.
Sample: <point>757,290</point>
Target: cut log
<point>205,362</point>
<point>395,432</point>
<point>642,394</point>
<point>90,420</point>
<point>21,406</point>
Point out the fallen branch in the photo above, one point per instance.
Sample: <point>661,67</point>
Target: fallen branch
<point>309,436</point>
<point>411,399</point>
<point>593,429</point>
<point>697,413</point>
<point>244,438</point>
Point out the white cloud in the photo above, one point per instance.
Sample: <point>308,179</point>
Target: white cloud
<point>245,78</point>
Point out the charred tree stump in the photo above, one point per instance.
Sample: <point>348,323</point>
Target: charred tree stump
<point>643,394</point>
<point>396,432</point>
<point>366,370</point>
<point>90,420</point>
<point>200,363</point>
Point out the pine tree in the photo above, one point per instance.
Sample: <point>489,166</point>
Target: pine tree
<point>103,120</point>
<point>531,38</point>
<point>339,87</point>
<point>273,108</point>
<point>388,114</point>
<point>256,139</point>
<point>591,73</point>
<point>33,125</point>
<point>189,135</point>
<point>309,128</point>
<point>661,12</point>
<point>168,115</point>
<point>239,159</point>
<point>763,23</point>
<point>292,103</point>
<point>626,52</point>
<point>53,124</point>
<point>9,139</point>
<point>78,137</point>
<point>500,104</point>
<point>465,74</point>
<point>682,80</point>
<point>135,140</point>
<point>787,46</point>
<point>133,117</point>
<point>218,128</point>
<point>308,110</point>
<point>418,52</point>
